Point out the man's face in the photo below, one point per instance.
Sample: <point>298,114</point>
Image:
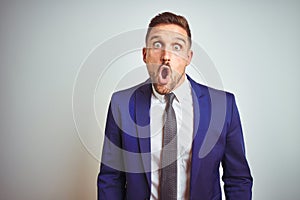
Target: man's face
<point>166,55</point>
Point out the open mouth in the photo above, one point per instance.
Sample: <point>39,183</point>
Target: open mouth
<point>164,75</point>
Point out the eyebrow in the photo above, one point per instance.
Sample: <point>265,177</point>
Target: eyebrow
<point>154,37</point>
<point>159,37</point>
<point>178,38</point>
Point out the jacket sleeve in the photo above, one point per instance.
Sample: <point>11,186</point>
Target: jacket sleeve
<point>236,173</point>
<point>111,179</point>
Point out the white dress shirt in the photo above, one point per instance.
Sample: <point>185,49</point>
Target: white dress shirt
<point>183,106</point>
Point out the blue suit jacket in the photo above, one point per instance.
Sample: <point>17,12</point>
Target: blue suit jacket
<point>126,162</point>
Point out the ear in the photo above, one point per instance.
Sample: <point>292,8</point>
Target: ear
<point>189,57</point>
<point>145,54</point>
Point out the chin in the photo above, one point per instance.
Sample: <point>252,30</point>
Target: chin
<point>162,89</point>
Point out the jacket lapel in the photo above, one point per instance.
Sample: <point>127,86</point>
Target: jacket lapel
<point>142,114</point>
<point>202,110</point>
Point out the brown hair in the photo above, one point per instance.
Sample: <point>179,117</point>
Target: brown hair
<point>170,18</point>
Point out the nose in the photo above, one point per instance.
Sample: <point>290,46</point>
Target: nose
<point>165,56</point>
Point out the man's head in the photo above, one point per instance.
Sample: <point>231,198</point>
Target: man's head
<point>170,18</point>
<point>167,52</point>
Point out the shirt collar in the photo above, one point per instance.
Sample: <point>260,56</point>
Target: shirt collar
<point>180,93</point>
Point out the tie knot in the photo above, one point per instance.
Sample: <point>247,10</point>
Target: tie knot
<point>170,97</point>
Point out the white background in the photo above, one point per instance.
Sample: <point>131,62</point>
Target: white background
<point>254,45</point>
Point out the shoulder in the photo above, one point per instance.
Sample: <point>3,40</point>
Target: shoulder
<point>220,102</point>
<point>204,90</point>
<point>126,94</point>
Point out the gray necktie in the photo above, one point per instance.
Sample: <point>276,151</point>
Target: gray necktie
<point>168,178</point>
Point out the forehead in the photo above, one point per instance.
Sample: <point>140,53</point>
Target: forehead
<point>168,31</point>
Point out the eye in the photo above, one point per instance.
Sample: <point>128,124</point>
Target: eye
<point>177,47</point>
<point>157,45</point>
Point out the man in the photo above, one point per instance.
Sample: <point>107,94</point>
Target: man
<point>166,138</point>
